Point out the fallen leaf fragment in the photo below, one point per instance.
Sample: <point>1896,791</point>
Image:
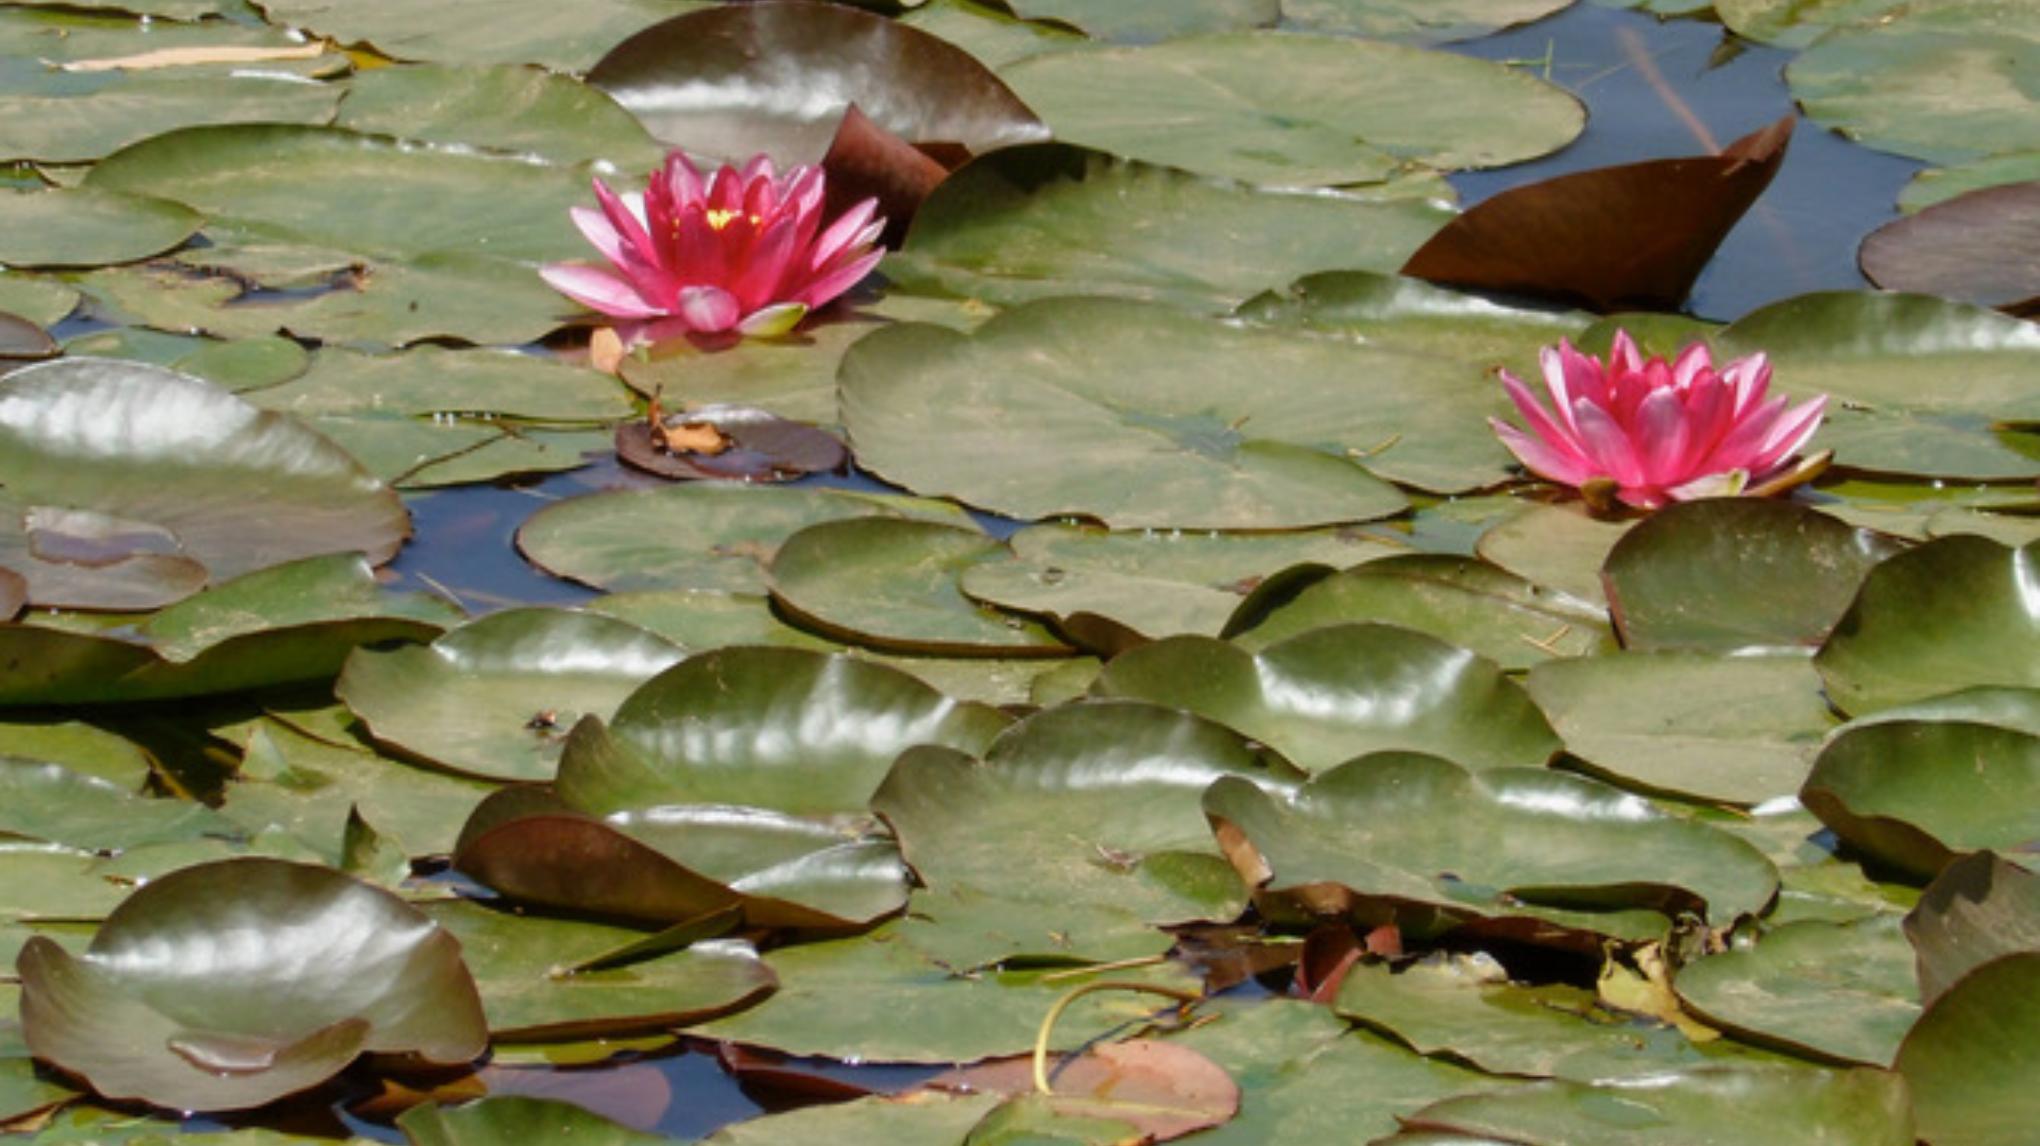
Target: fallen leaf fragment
<point>186,57</point>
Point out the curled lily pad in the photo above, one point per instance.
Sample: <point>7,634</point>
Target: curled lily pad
<point>82,227</point>
<point>117,462</point>
<point>1052,219</point>
<point>744,443</point>
<point>1841,991</point>
<point>173,1004</point>
<point>1917,786</point>
<point>1294,109</point>
<point>1426,843</point>
<point>1468,602</point>
<point>1086,806</point>
<point>1955,612</point>
<point>1737,729</point>
<point>668,865</point>
<point>496,697</point>
<point>893,584</point>
<point>285,625</point>
<point>1979,908</point>
<point>1970,1059</point>
<point>789,729</point>
<point>1334,693</point>
<point>775,76</point>
<point>1735,573</point>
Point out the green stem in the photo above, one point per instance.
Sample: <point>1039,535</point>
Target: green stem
<point>1041,1037</point>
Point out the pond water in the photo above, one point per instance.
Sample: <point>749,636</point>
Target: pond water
<point>1654,89</point>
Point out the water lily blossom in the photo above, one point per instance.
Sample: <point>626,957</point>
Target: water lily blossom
<point>740,250</point>
<point>1652,431</point>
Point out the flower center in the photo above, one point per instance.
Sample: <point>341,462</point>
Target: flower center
<point>717,220</point>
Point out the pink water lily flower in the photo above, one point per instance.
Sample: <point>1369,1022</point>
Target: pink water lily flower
<point>1657,431</point>
<point>741,250</point>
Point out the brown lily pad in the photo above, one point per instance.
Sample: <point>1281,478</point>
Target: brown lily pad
<point>1982,248</point>
<point>865,161</point>
<point>23,341</point>
<point>1164,1090</point>
<point>1634,236</point>
<point>775,76</point>
<point>742,443</point>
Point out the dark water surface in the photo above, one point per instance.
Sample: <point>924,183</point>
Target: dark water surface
<point>1654,89</point>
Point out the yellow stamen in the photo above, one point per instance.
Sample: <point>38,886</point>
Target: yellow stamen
<point>717,220</point>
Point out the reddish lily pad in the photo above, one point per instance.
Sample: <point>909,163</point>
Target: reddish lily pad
<point>23,341</point>
<point>744,443</point>
<point>776,76</point>
<point>193,994</point>
<point>1979,908</point>
<point>1982,248</point>
<point>1663,218</point>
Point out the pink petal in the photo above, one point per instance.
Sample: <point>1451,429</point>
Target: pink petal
<point>1748,378</point>
<point>683,180</point>
<point>1789,434</point>
<point>1623,355</point>
<point>1738,448</point>
<point>698,252</point>
<point>1661,437</point>
<point>763,271</point>
<point>1690,365</point>
<point>842,234</point>
<point>707,309</point>
<point>591,286</point>
<point>1541,423</point>
<point>1606,443</point>
<point>828,286</point>
<point>629,227</point>
<point>1569,374</point>
<point>1539,458</point>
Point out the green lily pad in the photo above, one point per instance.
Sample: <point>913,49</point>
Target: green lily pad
<point>1307,1077</point>
<point>48,882</point>
<point>1797,23</point>
<point>988,31</point>
<point>1145,21</point>
<point>1955,612</point>
<point>1938,184</point>
<point>44,801</point>
<point>495,697</point>
<point>119,464</point>
<point>82,227</point>
<point>893,584</point>
<point>1860,1107</point>
<point>433,379</point>
<point>1110,591</point>
<point>1970,1060</point>
<point>1467,602</point>
<point>1409,314</point>
<point>521,966</point>
<point>794,376</point>
<point>1293,109</point>
<point>1228,427</point>
<point>1979,908</point>
<point>1733,729</point>
<point>83,748</point>
<point>1840,991</point>
<point>309,790</point>
<point>1555,546</point>
<point>1726,574</point>
<point>1468,1010</point>
<point>733,81</point>
<point>516,110</point>
<point>1916,787</point>
<point>1918,385</point>
<point>788,729</point>
<point>73,119</point>
<point>285,625</point>
<point>706,619</point>
<point>1941,82</point>
<point>425,200</point>
<point>1050,219</point>
<point>1330,694</point>
<point>1423,21</point>
<point>175,1005</point>
<point>504,1119</point>
<point>874,998</point>
<point>918,1118</point>
<point>1087,806</point>
<point>508,454</point>
<point>669,865</point>
<point>1420,840</point>
<point>701,535</point>
<point>479,31</point>
<point>42,301</point>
